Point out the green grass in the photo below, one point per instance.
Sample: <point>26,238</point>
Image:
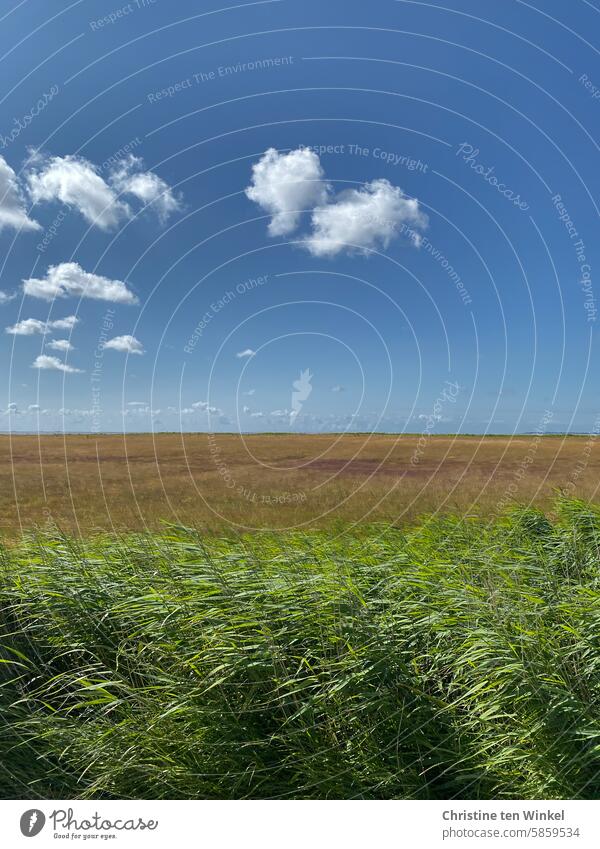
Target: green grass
<point>457,659</point>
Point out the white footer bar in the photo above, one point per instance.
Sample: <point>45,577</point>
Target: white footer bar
<point>291,824</point>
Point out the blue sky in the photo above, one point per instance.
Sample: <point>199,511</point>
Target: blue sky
<point>417,251</point>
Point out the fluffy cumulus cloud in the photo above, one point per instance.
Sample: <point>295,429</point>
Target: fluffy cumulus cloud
<point>54,364</point>
<point>13,213</point>
<point>361,219</point>
<point>285,184</point>
<point>129,178</point>
<point>69,278</point>
<point>365,219</point>
<point>127,344</point>
<point>31,326</point>
<point>7,297</point>
<point>60,345</point>
<point>76,182</point>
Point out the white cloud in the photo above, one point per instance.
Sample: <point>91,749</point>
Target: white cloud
<point>67,323</point>
<point>143,410</point>
<point>204,405</point>
<point>69,278</point>
<point>31,326</point>
<point>127,344</point>
<point>7,297</point>
<point>129,178</point>
<point>60,345</point>
<point>245,409</point>
<point>361,219</point>
<point>248,352</point>
<point>78,413</point>
<point>76,182</point>
<point>250,392</point>
<point>12,203</point>
<point>46,362</point>
<point>337,388</point>
<point>285,184</point>
<point>33,408</point>
<point>28,327</point>
<point>364,219</point>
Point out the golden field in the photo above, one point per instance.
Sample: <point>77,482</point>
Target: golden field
<point>84,483</point>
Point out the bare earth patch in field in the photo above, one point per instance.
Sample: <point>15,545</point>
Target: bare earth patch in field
<point>85,483</point>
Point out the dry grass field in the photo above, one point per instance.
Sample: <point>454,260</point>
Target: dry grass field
<point>113,482</point>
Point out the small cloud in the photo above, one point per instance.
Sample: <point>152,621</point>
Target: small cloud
<point>249,392</point>
<point>78,414</point>
<point>60,345</point>
<point>137,409</point>
<point>248,352</point>
<point>69,279</point>
<point>31,326</point>
<point>127,344</point>
<point>67,323</point>
<point>33,408</point>
<point>128,177</point>
<point>53,363</point>
<point>7,297</point>
<point>286,184</point>
<point>337,388</point>
<point>245,409</point>
<point>206,407</point>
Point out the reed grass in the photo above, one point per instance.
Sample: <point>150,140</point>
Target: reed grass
<point>456,659</point>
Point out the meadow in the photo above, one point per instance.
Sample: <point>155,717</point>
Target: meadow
<point>83,484</point>
<point>426,629</point>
